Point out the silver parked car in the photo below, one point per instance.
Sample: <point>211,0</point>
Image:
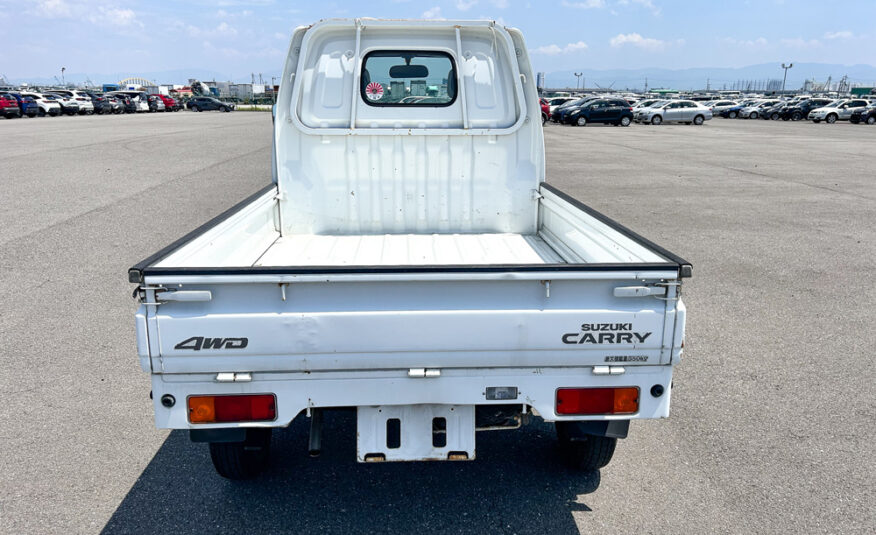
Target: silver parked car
<point>675,111</point>
<point>840,110</point>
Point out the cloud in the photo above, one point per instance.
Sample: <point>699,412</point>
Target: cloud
<point>554,50</point>
<point>433,13</point>
<point>845,34</point>
<point>105,14</point>
<point>464,5</point>
<point>747,43</point>
<point>634,39</point>
<point>801,43</point>
<point>113,16</point>
<point>644,3</point>
<point>500,4</point>
<point>586,4</point>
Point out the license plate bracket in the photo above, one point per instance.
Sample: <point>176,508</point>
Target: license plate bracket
<point>415,433</point>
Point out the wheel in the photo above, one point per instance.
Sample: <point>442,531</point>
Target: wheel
<point>42,112</point>
<point>656,120</point>
<point>581,121</point>
<point>752,115</point>
<point>830,119</point>
<point>732,115</point>
<point>871,120</point>
<point>195,108</point>
<point>223,108</point>
<point>816,121</point>
<point>89,112</point>
<point>796,116</point>
<point>588,453</point>
<point>543,119</point>
<point>242,460</point>
<point>774,116</point>
<point>699,119</point>
<point>625,121</point>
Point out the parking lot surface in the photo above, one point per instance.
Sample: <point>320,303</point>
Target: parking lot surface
<point>773,409</point>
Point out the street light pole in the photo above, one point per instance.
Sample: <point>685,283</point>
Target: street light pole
<point>785,79</point>
<point>63,82</point>
<point>578,75</point>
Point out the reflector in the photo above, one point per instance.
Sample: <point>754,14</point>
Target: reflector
<point>598,400</point>
<point>233,408</point>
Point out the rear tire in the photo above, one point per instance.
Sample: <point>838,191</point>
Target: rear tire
<point>699,120</point>
<point>587,453</point>
<point>223,108</point>
<point>732,115</point>
<point>625,121</point>
<point>796,116</point>
<point>753,115</point>
<point>195,108</point>
<point>656,120</point>
<point>774,116</point>
<point>242,460</point>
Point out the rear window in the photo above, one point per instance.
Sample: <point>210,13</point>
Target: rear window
<point>408,78</point>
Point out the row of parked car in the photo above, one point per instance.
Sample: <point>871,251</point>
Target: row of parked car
<point>80,102</point>
<point>815,109</point>
<point>623,112</point>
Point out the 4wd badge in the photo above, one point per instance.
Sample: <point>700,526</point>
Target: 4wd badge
<point>197,343</point>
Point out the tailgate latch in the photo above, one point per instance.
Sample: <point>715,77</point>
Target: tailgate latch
<point>423,372</point>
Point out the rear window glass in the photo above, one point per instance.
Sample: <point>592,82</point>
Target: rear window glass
<point>408,78</point>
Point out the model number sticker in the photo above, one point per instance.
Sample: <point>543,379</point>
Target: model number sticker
<point>626,358</point>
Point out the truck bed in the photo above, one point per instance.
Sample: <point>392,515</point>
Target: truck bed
<point>570,236</point>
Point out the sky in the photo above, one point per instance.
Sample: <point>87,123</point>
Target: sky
<point>237,37</point>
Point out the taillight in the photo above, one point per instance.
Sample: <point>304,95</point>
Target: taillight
<point>232,408</point>
<point>598,400</point>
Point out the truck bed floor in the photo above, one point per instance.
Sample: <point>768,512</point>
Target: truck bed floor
<point>408,249</point>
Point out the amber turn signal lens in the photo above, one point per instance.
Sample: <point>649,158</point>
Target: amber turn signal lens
<point>598,400</point>
<point>234,408</point>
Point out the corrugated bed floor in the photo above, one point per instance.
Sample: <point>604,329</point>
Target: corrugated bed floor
<point>408,249</point>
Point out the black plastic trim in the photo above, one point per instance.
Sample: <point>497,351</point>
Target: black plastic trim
<point>222,434</point>
<point>579,431</point>
<point>142,269</point>
<point>684,266</point>
<point>135,273</point>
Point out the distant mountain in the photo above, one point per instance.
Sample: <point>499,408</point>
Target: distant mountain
<point>177,76</point>
<point>716,77</point>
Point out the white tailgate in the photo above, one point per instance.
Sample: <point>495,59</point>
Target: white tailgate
<point>383,325</point>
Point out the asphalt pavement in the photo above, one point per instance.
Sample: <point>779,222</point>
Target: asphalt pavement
<point>773,409</point>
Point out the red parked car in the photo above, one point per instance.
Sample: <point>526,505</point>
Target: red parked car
<point>170,104</point>
<point>545,110</point>
<point>9,106</point>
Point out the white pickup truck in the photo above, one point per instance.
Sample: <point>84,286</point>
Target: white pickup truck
<point>409,261</point>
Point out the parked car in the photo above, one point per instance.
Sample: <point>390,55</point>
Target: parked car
<point>169,103</point>
<point>9,106</point>
<point>676,111</point>
<point>800,109</point>
<point>557,102</point>
<point>129,104</point>
<point>773,112</point>
<point>718,106</point>
<point>756,109</point>
<point>733,111</point>
<point>208,103</point>
<point>101,103</point>
<point>864,116</point>
<point>118,106</point>
<point>614,111</point>
<point>82,99</point>
<point>155,103</point>
<point>27,105</point>
<point>47,104</point>
<point>69,106</point>
<point>561,115</point>
<point>545,110</point>
<point>642,104</point>
<point>840,110</point>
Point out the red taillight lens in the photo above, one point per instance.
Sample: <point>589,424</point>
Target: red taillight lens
<point>235,408</point>
<point>598,400</point>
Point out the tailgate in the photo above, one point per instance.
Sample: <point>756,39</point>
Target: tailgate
<point>392,324</point>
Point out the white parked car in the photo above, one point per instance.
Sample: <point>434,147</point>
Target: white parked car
<point>555,103</point>
<point>642,104</point>
<point>839,110</point>
<point>675,111</point>
<point>82,99</point>
<point>47,103</point>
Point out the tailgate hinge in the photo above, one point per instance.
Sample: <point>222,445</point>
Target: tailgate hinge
<point>163,295</point>
<point>658,290</point>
